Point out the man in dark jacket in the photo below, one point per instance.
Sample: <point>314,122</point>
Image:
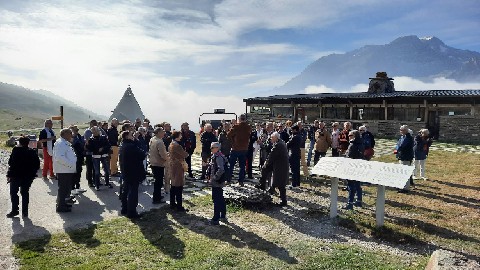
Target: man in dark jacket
<point>78,145</point>
<point>355,151</point>
<point>404,151</point>
<point>99,146</point>
<point>303,136</point>
<point>206,139</point>
<point>283,133</point>
<point>239,135</point>
<point>112,134</point>
<point>251,149</point>
<point>311,137</point>
<point>368,142</point>
<point>189,143</point>
<point>294,145</point>
<point>168,134</point>
<point>276,163</point>
<point>133,172</point>
<point>23,166</point>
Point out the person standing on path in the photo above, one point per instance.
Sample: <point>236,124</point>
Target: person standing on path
<point>88,154</point>
<point>176,172</point>
<point>64,164</point>
<point>225,142</point>
<point>421,148</point>
<point>303,136</point>
<point>100,147</point>
<point>355,151</point>
<point>294,145</point>
<point>239,135</point>
<point>404,152</point>
<point>23,167</point>
<point>189,143</point>
<point>47,138</point>
<point>311,138</point>
<point>78,145</point>
<point>206,139</point>
<point>158,158</point>
<point>133,172</point>
<point>217,179</point>
<point>112,134</point>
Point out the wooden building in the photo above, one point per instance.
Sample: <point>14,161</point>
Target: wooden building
<point>450,115</point>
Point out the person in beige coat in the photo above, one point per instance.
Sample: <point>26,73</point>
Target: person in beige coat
<point>158,157</point>
<point>323,141</point>
<point>176,171</point>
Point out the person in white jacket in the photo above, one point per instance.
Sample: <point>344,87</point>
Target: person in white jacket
<point>64,164</point>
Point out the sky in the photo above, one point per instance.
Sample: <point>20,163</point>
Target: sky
<point>183,58</point>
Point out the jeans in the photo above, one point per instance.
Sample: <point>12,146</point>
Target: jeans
<point>64,188</point>
<point>310,150</point>
<point>219,205</point>
<point>242,159</point>
<point>189,163</point>
<point>158,174</point>
<point>318,155</point>
<point>24,186</point>
<point>90,171</point>
<point>335,152</point>
<point>129,198</point>
<point>78,174</point>
<point>295,168</point>
<point>419,168</point>
<point>176,200</point>
<point>354,187</point>
<point>106,170</point>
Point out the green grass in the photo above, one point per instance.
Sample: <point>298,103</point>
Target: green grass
<point>164,240</point>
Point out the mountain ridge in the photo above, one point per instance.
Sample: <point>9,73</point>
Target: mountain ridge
<point>410,56</point>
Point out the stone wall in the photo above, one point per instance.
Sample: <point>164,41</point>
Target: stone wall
<point>460,128</point>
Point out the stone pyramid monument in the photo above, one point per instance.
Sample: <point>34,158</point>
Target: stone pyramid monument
<point>127,108</point>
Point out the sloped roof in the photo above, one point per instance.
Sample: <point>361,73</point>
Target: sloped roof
<point>128,108</point>
<point>321,96</point>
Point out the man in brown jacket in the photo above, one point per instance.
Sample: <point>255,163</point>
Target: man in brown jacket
<point>158,157</point>
<point>323,141</point>
<point>239,135</point>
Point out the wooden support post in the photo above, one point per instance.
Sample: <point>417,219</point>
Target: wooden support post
<point>320,106</point>
<point>334,198</point>
<point>351,109</point>
<point>61,114</point>
<point>380,208</point>
<point>425,117</point>
<point>386,109</point>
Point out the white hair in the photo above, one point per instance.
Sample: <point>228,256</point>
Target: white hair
<point>275,134</point>
<point>208,125</point>
<point>405,127</point>
<point>363,127</point>
<point>142,129</point>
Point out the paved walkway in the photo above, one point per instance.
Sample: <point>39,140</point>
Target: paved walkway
<point>95,206</point>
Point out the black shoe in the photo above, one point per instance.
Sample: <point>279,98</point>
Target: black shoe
<point>64,210</point>
<point>123,212</point>
<point>271,191</point>
<point>182,209</point>
<point>109,185</point>
<point>349,206</point>
<point>403,191</point>
<point>25,214</point>
<point>12,214</point>
<point>190,175</point>
<point>91,185</point>
<point>358,204</point>
<point>173,206</point>
<point>213,222</point>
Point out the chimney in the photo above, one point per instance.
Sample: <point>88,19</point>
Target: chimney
<point>381,84</point>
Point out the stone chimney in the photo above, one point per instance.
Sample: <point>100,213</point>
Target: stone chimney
<point>381,84</point>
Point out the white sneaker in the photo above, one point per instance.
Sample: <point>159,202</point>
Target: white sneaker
<point>81,190</point>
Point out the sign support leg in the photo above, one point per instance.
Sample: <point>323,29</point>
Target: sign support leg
<point>334,198</point>
<point>380,210</point>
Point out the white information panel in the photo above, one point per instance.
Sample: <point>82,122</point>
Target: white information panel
<point>374,172</point>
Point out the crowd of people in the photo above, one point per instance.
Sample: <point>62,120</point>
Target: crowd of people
<point>127,153</point>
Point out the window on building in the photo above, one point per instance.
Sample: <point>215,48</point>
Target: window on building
<point>286,112</point>
<point>368,113</point>
<point>336,112</point>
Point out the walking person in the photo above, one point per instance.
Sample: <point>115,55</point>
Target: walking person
<point>294,145</point>
<point>133,172</point>
<point>64,164</point>
<point>355,150</point>
<point>99,146</point>
<point>47,138</point>
<point>421,147</point>
<point>158,157</point>
<point>189,143</point>
<point>23,167</point>
<point>404,152</point>
<point>206,139</point>
<point>323,141</point>
<point>239,135</point>
<point>277,164</point>
<point>112,134</point>
<point>176,171</point>
<point>217,178</point>
<point>311,137</point>
<point>88,154</point>
<point>78,145</point>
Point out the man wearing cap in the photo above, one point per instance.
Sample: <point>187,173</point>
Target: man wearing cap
<point>239,135</point>
<point>189,143</point>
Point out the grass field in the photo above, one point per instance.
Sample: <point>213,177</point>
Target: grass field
<point>439,213</point>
